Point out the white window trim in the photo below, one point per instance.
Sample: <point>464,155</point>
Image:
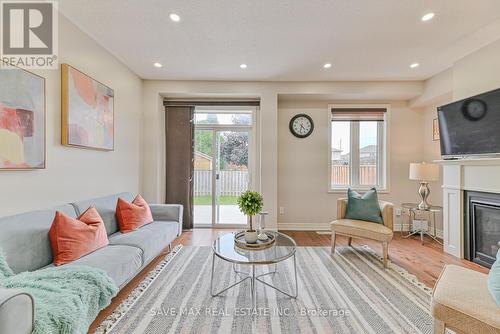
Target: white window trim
<point>384,159</point>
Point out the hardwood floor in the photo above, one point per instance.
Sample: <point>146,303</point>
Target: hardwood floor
<point>424,261</point>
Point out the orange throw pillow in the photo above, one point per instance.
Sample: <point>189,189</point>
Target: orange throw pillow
<point>73,238</point>
<point>133,215</point>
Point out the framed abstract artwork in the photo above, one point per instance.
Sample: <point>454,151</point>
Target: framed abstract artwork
<point>435,129</point>
<point>87,111</point>
<point>22,119</point>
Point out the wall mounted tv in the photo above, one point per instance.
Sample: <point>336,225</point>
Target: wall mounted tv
<point>471,126</point>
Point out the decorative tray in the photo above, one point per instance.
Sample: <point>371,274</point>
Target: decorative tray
<point>239,240</point>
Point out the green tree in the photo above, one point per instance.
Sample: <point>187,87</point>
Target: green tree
<point>203,141</point>
<point>234,149</point>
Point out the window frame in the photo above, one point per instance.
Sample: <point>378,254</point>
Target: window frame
<point>383,144</point>
<point>244,110</point>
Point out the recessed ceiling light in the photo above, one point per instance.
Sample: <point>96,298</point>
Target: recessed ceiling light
<point>174,17</point>
<point>428,16</point>
<point>327,65</point>
<point>414,65</point>
<point>243,66</point>
<point>157,65</point>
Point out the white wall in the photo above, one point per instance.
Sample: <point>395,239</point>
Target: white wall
<point>478,72</point>
<point>272,183</point>
<point>72,173</point>
<point>432,152</point>
<point>303,163</point>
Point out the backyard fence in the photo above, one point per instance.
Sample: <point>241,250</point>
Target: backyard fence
<point>232,182</point>
<point>367,174</point>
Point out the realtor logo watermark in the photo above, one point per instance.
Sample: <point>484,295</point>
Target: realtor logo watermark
<point>29,33</point>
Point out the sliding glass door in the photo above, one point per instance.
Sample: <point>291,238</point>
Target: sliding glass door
<point>231,175</point>
<point>223,165</point>
<point>203,176</point>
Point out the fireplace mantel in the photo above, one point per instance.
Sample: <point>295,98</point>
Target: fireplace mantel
<point>478,174</point>
<point>470,161</point>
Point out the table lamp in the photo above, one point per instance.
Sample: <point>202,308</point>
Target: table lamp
<point>424,173</point>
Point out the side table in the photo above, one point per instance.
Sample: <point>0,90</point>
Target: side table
<point>413,210</point>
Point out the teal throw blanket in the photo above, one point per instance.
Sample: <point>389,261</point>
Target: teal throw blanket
<point>67,298</point>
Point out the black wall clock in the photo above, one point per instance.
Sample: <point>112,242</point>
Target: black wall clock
<point>301,125</point>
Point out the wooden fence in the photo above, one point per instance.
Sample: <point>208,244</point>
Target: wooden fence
<point>367,174</point>
<point>232,182</point>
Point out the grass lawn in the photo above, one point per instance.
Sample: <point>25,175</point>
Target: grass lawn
<point>207,200</point>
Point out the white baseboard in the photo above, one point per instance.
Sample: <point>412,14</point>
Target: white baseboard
<point>325,227</point>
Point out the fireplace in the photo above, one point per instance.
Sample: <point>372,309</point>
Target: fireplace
<point>482,227</point>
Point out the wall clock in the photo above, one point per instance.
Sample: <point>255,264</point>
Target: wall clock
<point>301,125</point>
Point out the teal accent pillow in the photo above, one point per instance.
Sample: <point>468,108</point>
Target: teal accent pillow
<point>363,207</point>
<point>5,270</point>
<point>494,280</point>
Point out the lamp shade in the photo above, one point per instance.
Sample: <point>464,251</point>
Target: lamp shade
<point>424,172</point>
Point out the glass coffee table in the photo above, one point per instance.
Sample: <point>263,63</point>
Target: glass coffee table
<point>225,248</point>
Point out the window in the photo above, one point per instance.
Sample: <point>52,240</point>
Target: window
<point>224,116</point>
<point>357,147</point>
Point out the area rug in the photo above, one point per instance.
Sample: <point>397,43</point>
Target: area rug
<point>349,293</point>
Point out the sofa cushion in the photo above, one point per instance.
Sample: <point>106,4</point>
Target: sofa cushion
<point>151,238</point>
<point>133,215</point>
<point>362,229</point>
<point>106,206</point>
<point>461,299</point>
<point>24,238</point>
<point>120,262</point>
<point>73,238</point>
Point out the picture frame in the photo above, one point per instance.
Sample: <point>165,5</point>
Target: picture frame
<point>435,129</point>
<point>87,111</point>
<point>23,119</point>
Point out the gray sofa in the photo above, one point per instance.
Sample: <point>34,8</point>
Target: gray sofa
<point>25,242</point>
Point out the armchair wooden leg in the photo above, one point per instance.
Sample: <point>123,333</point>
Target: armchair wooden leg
<point>349,241</point>
<point>334,237</point>
<point>439,326</point>
<point>385,247</point>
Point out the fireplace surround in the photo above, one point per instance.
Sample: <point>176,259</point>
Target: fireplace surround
<point>478,174</point>
<point>481,227</point>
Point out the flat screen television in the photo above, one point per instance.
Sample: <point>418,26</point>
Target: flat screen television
<point>471,126</point>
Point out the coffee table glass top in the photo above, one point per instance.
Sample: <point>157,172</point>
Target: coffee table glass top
<point>225,248</point>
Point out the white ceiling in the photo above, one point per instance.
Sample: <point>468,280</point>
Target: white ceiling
<point>287,39</point>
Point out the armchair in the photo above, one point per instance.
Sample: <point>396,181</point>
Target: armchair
<point>353,228</point>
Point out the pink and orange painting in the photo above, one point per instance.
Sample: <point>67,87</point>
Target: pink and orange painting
<point>87,111</point>
<point>22,119</point>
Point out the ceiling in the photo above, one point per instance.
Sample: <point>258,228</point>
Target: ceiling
<point>287,40</point>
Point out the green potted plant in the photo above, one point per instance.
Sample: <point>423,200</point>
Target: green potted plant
<point>250,203</point>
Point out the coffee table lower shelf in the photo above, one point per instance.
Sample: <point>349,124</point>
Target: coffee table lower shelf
<point>253,279</point>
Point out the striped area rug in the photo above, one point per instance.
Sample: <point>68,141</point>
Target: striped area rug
<point>349,293</point>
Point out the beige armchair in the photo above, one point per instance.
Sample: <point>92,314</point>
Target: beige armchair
<point>362,229</point>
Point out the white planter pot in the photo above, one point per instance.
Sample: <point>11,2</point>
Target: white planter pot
<point>251,237</point>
